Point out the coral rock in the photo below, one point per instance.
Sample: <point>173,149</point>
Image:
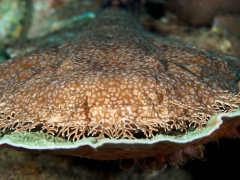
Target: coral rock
<point>202,12</point>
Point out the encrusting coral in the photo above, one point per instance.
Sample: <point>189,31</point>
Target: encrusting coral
<point>116,80</point>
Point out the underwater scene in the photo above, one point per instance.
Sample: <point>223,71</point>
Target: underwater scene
<point>119,89</point>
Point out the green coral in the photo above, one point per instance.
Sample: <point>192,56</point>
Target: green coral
<point>11,14</point>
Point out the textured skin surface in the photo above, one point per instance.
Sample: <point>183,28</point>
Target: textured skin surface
<point>114,80</point>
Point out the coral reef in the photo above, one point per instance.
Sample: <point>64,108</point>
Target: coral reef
<point>11,15</point>
<point>229,26</point>
<point>222,36</point>
<point>201,12</point>
<point>203,37</point>
<point>27,19</point>
<point>46,16</point>
<point>16,165</point>
<point>66,34</point>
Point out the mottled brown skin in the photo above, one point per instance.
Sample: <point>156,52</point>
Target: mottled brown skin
<point>202,12</point>
<point>114,80</point>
